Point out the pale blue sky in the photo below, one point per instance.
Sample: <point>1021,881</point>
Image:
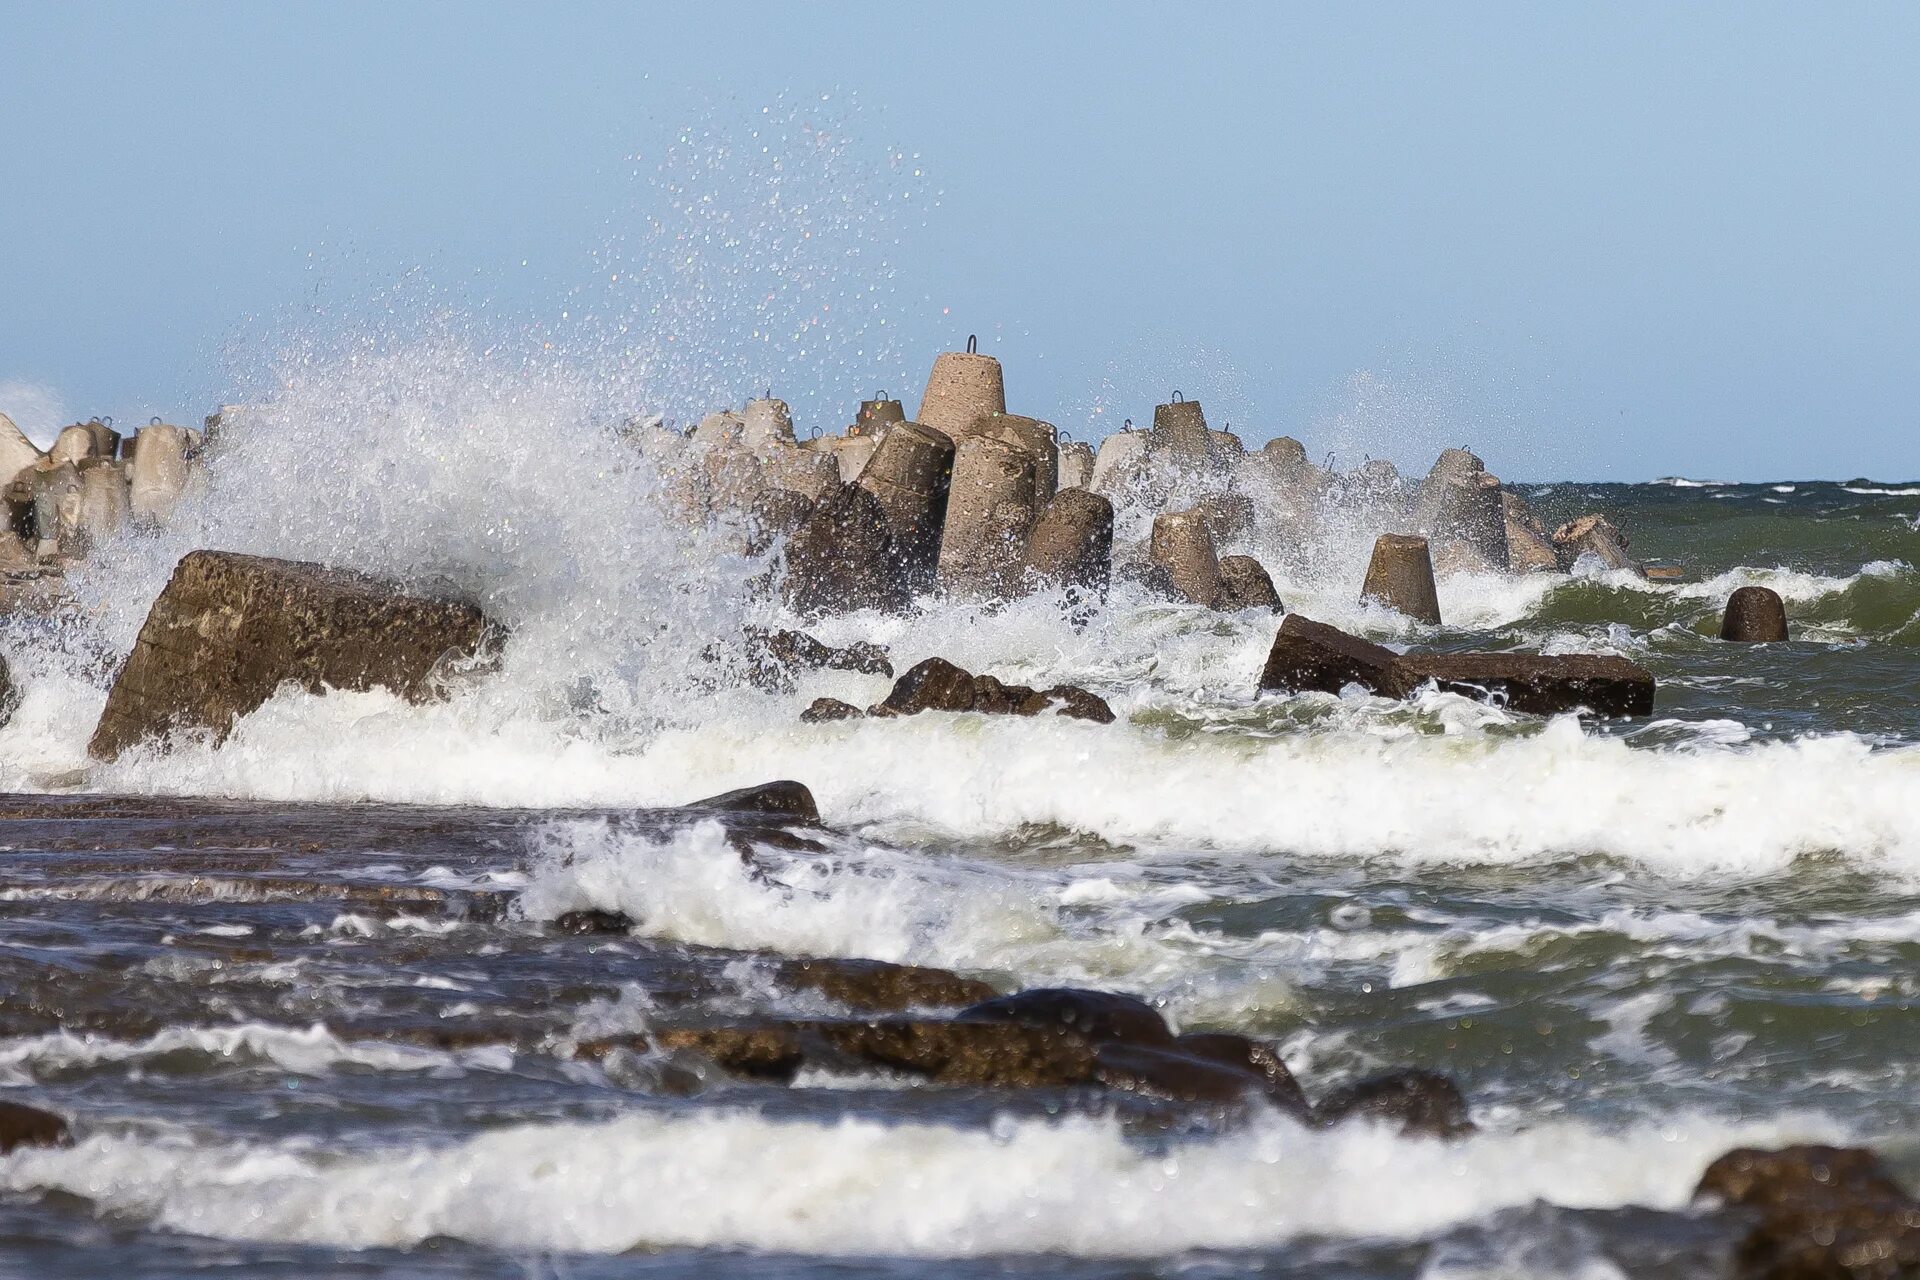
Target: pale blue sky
<point>1603,242</point>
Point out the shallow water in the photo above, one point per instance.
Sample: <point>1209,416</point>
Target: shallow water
<point>1635,945</point>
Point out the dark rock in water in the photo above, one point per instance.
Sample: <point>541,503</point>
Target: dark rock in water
<point>1068,700</point>
<point>1098,1016</point>
<point>585,923</point>
<point>773,657</point>
<point>1823,1213</point>
<point>1173,1075</point>
<point>1536,684</point>
<point>1755,615</point>
<point>784,799</point>
<point>1245,584</point>
<point>764,1053</point>
<point>228,630</point>
<point>821,710</point>
<point>965,1053</point>
<point>7,698</point>
<point>1311,657</point>
<point>1400,576</point>
<point>939,685</point>
<point>932,685</point>
<point>24,1126</point>
<point>1261,1059</point>
<point>953,1053</point>
<point>1072,542</point>
<point>1592,535</point>
<point>1425,1104</point>
<point>875,986</point>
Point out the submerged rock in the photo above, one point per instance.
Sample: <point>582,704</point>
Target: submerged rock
<point>1099,1016</point>
<point>876,986</point>
<point>24,1126</point>
<point>1255,1056</point>
<point>946,1052</point>
<point>822,710</point>
<point>1424,1104</point>
<point>774,656</point>
<point>785,799</point>
<point>939,685</point>
<point>228,630</point>
<point>1755,615</point>
<point>1823,1213</point>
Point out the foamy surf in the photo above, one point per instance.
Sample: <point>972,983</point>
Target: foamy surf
<point>729,1180</point>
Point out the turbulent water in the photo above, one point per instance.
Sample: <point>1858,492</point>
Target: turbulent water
<point>302,996</point>
<point>1634,945</point>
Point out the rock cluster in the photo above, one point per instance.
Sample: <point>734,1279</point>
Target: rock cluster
<point>939,685</point>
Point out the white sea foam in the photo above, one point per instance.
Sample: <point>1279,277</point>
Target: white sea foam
<point>1074,1187</point>
<point>301,1050</point>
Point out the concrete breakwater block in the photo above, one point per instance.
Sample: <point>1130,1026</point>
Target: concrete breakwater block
<point>1185,564</point>
<point>1246,584</point>
<point>990,510</point>
<point>963,388</point>
<point>1180,431</point>
<point>843,558</point>
<point>158,475</point>
<point>1076,464</point>
<point>1755,615</point>
<point>1072,542</point>
<point>228,630</point>
<point>1593,535</point>
<point>1400,576</point>
<point>1039,439</point>
<point>1309,656</point>
<point>909,474</point>
<point>1536,684</point>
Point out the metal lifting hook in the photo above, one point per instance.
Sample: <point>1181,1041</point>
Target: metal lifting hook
<point>973,344</point>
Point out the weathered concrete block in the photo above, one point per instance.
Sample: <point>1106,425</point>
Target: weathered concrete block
<point>1536,684</point>
<point>1038,438</point>
<point>17,453</point>
<point>1460,502</point>
<point>1076,464</point>
<point>56,506</point>
<point>1180,432</point>
<point>1529,549</point>
<point>75,444</point>
<point>1121,459</point>
<point>1592,535</point>
<point>813,475</point>
<point>1755,615</point>
<point>1311,657</point>
<point>1184,562</point>
<point>876,416</point>
<point>1072,542</point>
<point>963,388</point>
<point>1400,576</point>
<point>766,425</point>
<point>159,473</point>
<point>722,428</point>
<point>910,474</point>
<point>1246,584</point>
<point>990,509</point>
<point>228,630</point>
<point>843,557</point>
